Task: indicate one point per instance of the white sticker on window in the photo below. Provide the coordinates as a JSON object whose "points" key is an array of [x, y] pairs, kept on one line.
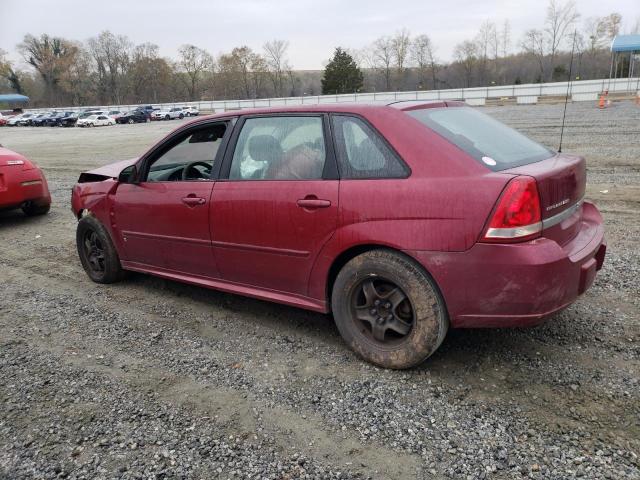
{"points": [[489, 161]]}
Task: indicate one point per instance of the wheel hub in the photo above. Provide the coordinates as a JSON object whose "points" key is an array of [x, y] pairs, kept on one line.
{"points": [[383, 309]]}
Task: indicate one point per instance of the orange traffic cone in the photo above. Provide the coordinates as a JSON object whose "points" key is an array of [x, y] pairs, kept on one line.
{"points": [[601, 103], [638, 99]]}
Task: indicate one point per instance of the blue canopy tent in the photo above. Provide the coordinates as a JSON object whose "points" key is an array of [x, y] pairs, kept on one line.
{"points": [[621, 45], [14, 100]]}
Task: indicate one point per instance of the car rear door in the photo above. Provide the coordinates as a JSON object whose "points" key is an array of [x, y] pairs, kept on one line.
{"points": [[278, 204], [164, 219]]}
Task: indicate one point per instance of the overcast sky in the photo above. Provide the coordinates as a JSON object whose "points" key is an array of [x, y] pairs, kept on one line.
{"points": [[313, 28]]}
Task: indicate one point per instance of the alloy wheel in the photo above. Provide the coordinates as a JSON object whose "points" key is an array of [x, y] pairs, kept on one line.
{"points": [[94, 251], [381, 310]]}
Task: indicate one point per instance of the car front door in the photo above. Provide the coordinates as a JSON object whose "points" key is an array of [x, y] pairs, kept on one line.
{"points": [[278, 203], [164, 218]]}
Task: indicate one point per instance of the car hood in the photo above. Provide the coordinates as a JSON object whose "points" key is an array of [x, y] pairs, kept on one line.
{"points": [[113, 169]]}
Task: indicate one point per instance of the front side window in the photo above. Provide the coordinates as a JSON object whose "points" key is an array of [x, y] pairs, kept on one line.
{"points": [[484, 138], [279, 148], [189, 157], [362, 153]]}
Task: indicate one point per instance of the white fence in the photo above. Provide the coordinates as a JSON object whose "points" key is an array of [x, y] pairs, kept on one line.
{"points": [[584, 90]]}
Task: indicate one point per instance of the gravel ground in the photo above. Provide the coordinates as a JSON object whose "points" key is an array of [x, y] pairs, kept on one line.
{"points": [[153, 379]]}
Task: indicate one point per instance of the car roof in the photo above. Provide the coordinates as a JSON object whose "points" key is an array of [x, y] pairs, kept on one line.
{"points": [[355, 108]]}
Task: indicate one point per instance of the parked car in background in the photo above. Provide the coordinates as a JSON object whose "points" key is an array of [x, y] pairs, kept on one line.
{"points": [[403, 219], [3, 120], [14, 121], [95, 121], [168, 114], [87, 114], [114, 114], [190, 111], [134, 116], [41, 120], [27, 118], [56, 119], [22, 184], [69, 120]]}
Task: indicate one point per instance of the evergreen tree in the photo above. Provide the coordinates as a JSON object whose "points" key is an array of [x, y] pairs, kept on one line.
{"points": [[342, 75]]}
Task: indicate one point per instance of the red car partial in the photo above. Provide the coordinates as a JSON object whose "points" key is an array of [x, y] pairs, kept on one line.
{"points": [[22, 184], [403, 220]]}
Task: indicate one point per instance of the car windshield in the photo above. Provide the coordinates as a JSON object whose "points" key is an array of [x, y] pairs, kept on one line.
{"points": [[484, 138]]}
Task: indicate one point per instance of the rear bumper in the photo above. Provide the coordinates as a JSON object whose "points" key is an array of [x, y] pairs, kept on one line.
{"points": [[518, 285], [20, 186]]}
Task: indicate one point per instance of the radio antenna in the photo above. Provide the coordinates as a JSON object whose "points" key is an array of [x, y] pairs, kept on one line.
{"points": [[566, 98]]}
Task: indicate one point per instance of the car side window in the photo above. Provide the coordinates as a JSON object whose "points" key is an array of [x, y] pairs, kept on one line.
{"points": [[189, 157], [279, 148], [362, 153]]}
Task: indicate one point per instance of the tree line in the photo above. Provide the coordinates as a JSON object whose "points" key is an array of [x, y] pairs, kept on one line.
{"points": [[111, 69]]}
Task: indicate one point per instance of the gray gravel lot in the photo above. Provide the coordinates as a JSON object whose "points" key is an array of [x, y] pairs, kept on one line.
{"points": [[153, 379]]}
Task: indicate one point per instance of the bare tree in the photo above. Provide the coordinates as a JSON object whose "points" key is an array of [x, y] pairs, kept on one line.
{"points": [[111, 54], [51, 57], [401, 42], [534, 44], [150, 75], [484, 39], [505, 38], [382, 55], [466, 54], [423, 55], [560, 19], [595, 31], [194, 62], [276, 57], [9, 74]]}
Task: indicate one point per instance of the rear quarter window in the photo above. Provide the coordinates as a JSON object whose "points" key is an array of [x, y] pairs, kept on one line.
{"points": [[362, 153], [489, 141]]}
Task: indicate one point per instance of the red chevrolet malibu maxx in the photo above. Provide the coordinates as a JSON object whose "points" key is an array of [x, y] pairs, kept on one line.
{"points": [[22, 184], [402, 219]]}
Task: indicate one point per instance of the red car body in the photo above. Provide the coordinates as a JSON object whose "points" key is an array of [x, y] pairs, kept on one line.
{"points": [[22, 184], [285, 241]]}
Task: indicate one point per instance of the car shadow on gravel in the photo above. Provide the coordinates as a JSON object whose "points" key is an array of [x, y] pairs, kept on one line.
{"points": [[288, 320], [15, 218], [462, 348]]}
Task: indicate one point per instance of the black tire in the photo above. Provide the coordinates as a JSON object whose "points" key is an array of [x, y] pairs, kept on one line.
{"points": [[406, 325], [131, 121], [98, 256], [32, 209], [167, 117], [181, 116]]}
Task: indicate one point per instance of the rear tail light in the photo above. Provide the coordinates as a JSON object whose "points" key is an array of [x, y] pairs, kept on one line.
{"points": [[517, 216]]}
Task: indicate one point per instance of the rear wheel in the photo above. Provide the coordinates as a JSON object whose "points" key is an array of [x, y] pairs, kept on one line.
{"points": [[97, 253], [32, 209], [131, 121], [388, 310]]}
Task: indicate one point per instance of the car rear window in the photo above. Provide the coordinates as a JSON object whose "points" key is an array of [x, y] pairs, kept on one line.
{"points": [[487, 140]]}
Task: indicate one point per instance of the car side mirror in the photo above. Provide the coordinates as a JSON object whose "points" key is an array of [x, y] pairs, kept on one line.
{"points": [[128, 175]]}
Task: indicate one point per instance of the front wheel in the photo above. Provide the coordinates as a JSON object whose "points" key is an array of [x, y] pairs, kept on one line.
{"points": [[181, 116], [388, 310], [97, 253], [131, 121]]}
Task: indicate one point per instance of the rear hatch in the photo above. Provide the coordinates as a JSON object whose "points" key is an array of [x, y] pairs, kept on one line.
{"points": [[560, 179], [561, 182]]}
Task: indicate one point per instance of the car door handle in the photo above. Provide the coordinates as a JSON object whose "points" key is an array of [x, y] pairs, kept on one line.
{"points": [[313, 203], [192, 201]]}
